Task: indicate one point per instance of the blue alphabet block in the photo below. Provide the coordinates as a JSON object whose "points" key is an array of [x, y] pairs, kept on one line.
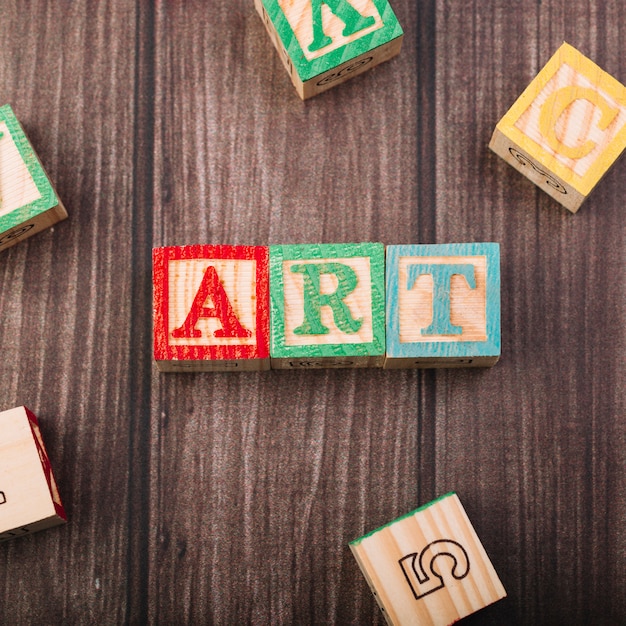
{"points": [[443, 305]]}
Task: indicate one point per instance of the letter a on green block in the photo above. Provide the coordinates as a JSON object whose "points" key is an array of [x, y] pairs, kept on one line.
{"points": [[353, 20], [441, 273], [314, 300]]}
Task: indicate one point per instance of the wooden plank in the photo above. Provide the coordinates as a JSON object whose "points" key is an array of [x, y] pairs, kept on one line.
{"points": [[283, 461], [65, 305]]}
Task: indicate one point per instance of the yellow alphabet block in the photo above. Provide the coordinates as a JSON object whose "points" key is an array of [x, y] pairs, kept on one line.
{"points": [[567, 128]]}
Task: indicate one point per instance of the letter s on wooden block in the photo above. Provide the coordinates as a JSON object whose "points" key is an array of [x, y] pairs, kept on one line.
{"points": [[443, 305], [323, 43], [429, 566], [567, 128], [29, 498], [211, 308]]}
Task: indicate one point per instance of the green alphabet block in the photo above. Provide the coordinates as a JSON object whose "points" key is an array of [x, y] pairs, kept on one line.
{"points": [[28, 203], [322, 43], [327, 305]]}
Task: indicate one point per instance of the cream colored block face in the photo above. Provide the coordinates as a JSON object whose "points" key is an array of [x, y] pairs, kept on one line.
{"points": [[17, 187], [358, 303], [428, 567], [237, 277], [468, 304], [299, 14]]}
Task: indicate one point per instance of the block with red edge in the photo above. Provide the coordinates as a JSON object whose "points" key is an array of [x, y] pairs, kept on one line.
{"points": [[429, 566], [29, 498], [211, 308], [566, 129]]}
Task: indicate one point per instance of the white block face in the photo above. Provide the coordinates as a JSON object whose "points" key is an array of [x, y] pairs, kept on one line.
{"points": [[26, 497], [358, 302], [17, 187], [238, 279], [428, 567], [468, 306], [579, 126], [299, 14]]}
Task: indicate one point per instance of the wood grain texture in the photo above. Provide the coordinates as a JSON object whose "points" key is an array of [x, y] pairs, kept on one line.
{"points": [[428, 567], [212, 498]]}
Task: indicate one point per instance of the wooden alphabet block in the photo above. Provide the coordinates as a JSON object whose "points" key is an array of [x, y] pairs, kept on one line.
{"points": [[443, 305], [29, 498], [566, 129], [211, 308], [428, 567], [28, 202], [327, 305], [323, 43]]}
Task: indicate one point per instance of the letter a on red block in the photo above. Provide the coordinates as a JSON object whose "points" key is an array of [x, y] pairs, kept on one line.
{"points": [[212, 288], [211, 304]]}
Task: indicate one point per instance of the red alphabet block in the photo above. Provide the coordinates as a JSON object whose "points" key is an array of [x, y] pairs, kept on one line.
{"points": [[211, 308], [29, 499]]}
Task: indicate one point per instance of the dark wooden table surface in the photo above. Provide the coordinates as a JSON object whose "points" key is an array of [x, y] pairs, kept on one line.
{"points": [[231, 499]]}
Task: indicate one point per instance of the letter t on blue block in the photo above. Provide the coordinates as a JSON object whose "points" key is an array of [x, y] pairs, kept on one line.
{"points": [[443, 305]]}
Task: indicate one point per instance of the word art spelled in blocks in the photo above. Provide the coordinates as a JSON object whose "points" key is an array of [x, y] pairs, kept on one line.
{"points": [[566, 129], [28, 203], [428, 567], [443, 305], [29, 498], [211, 308], [327, 305], [322, 43]]}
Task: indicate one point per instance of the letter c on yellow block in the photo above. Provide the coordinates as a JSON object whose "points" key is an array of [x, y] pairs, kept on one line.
{"points": [[556, 105]]}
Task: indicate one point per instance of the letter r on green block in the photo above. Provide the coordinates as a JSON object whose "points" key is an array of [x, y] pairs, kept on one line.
{"points": [[353, 20], [442, 274], [314, 300]]}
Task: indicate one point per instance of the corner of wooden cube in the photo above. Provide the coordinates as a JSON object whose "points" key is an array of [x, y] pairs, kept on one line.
{"points": [[321, 49], [28, 201], [211, 308], [429, 566], [443, 305], [567, 128], [327, 305], [29, 498]]}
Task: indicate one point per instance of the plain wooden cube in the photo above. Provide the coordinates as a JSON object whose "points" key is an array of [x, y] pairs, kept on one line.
{"points": [[443, 305], [211, 308], [327, 305], [428, 567], [567, 129], [28, 202], [29, 498], [323, 43]]}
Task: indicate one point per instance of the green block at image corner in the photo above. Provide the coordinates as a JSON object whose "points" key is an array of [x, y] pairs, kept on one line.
{"points": [[47, 197], [299, 43], [338, 306]]}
